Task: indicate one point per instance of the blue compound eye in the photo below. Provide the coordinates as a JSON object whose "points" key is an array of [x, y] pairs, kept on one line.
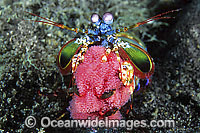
{"points": [[108, 18], [95, 19]]}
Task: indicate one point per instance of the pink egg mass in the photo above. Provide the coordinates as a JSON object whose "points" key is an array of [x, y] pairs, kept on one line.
{"points": [[101, 92]]}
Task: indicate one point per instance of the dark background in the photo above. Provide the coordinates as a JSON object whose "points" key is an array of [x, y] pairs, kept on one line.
{"points": [[28, 60]]}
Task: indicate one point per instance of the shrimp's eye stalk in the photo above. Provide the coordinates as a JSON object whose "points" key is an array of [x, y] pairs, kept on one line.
{"points": [[108, 18], [95, 19]]}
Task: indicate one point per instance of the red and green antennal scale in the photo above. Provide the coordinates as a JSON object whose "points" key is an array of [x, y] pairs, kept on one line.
{"points": [[55, 24], [123, 29], [156, 17]]}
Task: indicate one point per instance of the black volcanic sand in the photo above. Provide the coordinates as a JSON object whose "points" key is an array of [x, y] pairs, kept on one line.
{"points": [[28, 62]]}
